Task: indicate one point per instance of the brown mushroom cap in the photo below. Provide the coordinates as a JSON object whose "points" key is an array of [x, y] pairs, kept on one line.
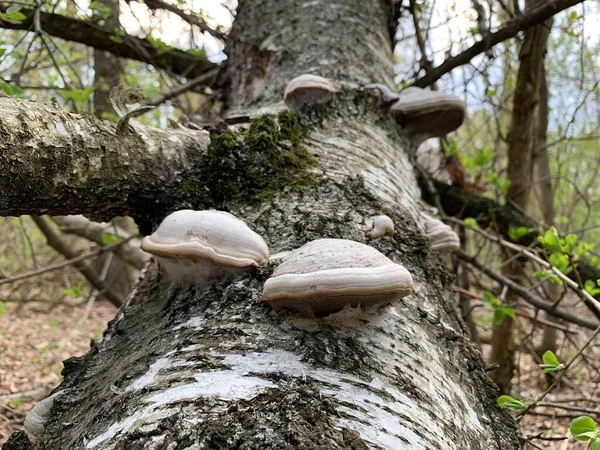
{"points": [[325, 275], [306, 90], [425, 114]]}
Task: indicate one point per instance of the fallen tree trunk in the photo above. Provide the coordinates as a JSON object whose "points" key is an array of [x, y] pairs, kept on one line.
{"points": [[183, 367]]}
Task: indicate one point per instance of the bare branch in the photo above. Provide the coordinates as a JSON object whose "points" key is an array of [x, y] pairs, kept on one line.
{"points": [[510, 29], [525, 294], [124, 46], [57, 243]]}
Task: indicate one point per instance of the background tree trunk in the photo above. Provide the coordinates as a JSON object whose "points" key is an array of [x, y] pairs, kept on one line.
{"points": [[520, 151], [184, 367]]}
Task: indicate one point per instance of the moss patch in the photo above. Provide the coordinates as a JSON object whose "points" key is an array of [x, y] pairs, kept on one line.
{"points": [[253, 166]]}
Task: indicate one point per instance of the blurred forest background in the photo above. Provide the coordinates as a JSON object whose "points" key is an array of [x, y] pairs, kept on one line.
{"points": [[61, 278]]}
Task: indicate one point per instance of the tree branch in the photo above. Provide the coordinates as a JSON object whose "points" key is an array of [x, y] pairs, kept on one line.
{"points": [[57, 243], [533, 300], [191, 19], [100, 38], [58, 163], [460, 203], [520, 23]]}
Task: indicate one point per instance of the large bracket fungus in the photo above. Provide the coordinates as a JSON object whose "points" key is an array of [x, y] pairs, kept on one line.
{"points": [[35, 421], [426, 114], [308, 90], [441, 236], [324, 276], [202, 247]]}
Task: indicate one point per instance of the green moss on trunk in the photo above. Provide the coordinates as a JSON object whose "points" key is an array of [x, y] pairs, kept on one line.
{"points": [[252, 166]]}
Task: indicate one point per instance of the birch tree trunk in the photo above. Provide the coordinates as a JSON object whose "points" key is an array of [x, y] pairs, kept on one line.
{"points": [[189, 368]]}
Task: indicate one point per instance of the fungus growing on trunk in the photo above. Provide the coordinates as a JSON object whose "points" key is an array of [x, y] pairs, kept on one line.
{"points": [[441, 237], [35, 421], [425, 114], [307, 90], [325, 275], [201, 247], [384, 94], [382, 226]]}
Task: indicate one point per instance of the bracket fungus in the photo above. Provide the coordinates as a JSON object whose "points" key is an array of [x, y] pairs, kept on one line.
{"points": [[35, 421], [385, 95], [441, 236], [202, 247], [382, 226], [324, 276], [426, 114], [308, 90]]}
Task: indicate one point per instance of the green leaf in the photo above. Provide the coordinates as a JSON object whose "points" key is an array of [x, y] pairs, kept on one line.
{"points": [[595, 444], [550, 358], [583, 428], [501, 313], [79, 96], [515, 233], [490, 299], [75, 291], [550, 240], [470, 222], [547, 275], [507, 402], [108, 239], [591, 287]]}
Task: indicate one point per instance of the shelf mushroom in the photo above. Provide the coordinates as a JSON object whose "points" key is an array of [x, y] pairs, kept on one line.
{"points": [[385, 95], [201, 247], [382, 226], [426, 114], [324, 276], [35, 420], [441, 237], [307, 90]]}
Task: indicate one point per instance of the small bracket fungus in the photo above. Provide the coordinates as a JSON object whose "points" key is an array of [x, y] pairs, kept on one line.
{"points": [[203, 246], [385, 95], [325, 275], [441, 237], [426, 114], [307, 90], [35, 421], [382, 226]]}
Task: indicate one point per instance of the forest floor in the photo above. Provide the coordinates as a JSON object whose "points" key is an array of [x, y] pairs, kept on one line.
{"points": [[33, 344]]}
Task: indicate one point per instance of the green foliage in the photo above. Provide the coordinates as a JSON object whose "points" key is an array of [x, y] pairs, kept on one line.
{"points": [[75, 291], [450, 146], [470, 223], [100, 9], [515, 233], [252, 166], [547, 275], [199, 53], [2, 309], [591, 287], [108, 239], [551, 362], [501, 312], [159, 45], [11, 89], [78, 96], [564, 252], [583, 428], [511, 404], [12, 15]]}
